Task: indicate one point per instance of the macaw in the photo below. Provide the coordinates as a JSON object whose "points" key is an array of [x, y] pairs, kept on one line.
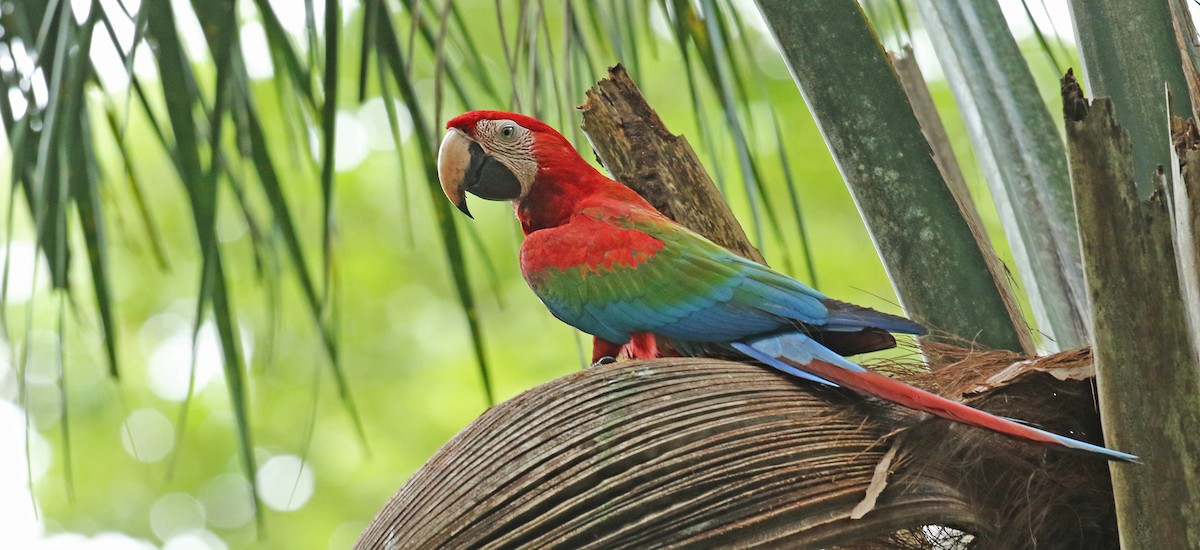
{"points": [[605, 261]]}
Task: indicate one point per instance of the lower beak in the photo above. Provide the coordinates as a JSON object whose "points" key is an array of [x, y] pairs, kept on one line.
{"points": [[464, 167]]}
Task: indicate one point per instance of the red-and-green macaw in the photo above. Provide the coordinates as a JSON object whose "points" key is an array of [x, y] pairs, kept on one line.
{"points": [[603, 260]]}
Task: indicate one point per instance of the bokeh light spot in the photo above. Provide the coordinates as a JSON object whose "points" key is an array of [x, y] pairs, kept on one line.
{"points": [[374, 118], [171, 360], [195, 540], [175, 514], [18, 522], [147, 435], [102, 541], [256, 52], [20, 257], [285, 483], [351, 146], [226, 499]]}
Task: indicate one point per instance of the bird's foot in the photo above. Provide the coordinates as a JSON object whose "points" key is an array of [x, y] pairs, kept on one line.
{"points": [[604, 360]]}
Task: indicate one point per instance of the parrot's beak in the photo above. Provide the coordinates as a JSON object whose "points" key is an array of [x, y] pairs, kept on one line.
{"points": [[463, 167]]}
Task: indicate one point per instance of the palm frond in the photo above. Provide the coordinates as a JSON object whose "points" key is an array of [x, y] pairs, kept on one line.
{"points": [[896, 186], [1027, 169], [389, 51]]}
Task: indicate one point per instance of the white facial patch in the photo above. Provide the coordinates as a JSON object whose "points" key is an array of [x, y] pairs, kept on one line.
{"points": [[511, 145]]}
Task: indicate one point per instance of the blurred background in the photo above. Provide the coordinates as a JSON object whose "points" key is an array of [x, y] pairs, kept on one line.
{"points": [[158, 457]]}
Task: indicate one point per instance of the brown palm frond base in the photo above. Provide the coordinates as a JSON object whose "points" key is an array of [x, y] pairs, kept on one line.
{"points": [[681, 452]]}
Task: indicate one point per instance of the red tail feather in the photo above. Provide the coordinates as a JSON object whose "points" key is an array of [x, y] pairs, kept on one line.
{"points": [[889, 389]]}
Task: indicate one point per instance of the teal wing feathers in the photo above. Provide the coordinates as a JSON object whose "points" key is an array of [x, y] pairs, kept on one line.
{"points": [[611, 273]]}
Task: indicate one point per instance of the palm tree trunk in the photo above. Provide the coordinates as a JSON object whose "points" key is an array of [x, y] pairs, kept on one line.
{"points": [[1147, 371]]}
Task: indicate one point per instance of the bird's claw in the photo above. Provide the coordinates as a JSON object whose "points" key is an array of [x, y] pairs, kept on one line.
{"points": [[604, 360]]}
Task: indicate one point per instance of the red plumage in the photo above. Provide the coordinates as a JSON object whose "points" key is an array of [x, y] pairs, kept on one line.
{"points": [[604, 260]]}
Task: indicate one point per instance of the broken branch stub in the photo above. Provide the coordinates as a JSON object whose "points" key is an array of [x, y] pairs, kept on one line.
{"points": [[639, 151]]}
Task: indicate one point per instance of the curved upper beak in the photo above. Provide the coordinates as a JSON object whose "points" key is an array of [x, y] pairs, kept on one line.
{"points": [[454, 157], [464, 166]]}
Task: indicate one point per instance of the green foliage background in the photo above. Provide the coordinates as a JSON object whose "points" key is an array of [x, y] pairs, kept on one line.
{"points": [[405, 347]]}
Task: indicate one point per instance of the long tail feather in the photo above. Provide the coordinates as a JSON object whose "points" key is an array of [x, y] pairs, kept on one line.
{"points": [[765, 358], [799, 355]]}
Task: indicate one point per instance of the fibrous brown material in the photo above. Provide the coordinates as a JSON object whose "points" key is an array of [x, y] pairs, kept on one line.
{"points": [[1029, 496], [707, 453]]}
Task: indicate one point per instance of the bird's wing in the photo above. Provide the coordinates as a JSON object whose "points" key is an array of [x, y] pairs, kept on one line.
{"points": [[612, 271]]}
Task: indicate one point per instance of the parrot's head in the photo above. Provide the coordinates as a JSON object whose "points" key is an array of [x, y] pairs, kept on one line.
{"points": [[496, 155]]}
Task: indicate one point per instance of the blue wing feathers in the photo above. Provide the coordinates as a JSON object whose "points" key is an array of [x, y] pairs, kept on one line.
{"points": [[697, 295], [689, 290]]}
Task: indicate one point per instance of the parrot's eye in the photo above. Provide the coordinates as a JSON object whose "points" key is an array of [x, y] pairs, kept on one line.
{"points": [[508, 131]]}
